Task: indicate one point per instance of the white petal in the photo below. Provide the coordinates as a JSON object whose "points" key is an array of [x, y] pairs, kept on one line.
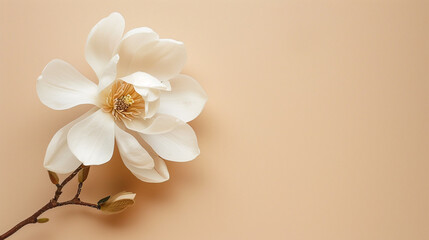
{"points": [[103, 41], [61, 86], [145, 80], [146, 85], [92, 140], [162, 59], [151, 108], [154, 175], [156, 125], [149, 95], [179, 145], [130, 44], [109, 74], [131, 151], [135, 38], [167, 84], [58, 156], [186, 99], [159, 173]]}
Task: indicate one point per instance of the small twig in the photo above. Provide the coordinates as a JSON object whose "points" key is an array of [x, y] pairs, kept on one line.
{"points": [[77, 201], [79, 189], [53, 203], [70, 177]]}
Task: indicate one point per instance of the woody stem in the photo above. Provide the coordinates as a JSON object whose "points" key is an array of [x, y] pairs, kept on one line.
{"points": [[53, 203]]}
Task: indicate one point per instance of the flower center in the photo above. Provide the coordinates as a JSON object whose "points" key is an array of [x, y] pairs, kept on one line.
{"points": [[123, 102]]}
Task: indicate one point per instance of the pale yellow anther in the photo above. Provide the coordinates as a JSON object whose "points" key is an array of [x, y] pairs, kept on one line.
{"points": [[128, 99]]}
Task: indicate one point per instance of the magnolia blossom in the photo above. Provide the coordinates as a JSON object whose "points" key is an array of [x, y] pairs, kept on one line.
{"points": [[141, 97]]}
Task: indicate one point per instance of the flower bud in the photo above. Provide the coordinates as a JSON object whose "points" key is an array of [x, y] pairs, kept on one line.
{"points": [[118, 203], [42, 220], [83, 174], [54, 177]]}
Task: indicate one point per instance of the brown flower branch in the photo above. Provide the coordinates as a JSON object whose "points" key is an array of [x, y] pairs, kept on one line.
{"points": [[53, 203]]}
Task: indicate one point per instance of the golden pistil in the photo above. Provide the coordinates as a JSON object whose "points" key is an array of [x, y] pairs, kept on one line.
{"points": [[123, 101]]}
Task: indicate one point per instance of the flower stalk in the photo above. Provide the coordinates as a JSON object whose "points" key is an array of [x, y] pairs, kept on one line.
{"points": [[53, 203]]}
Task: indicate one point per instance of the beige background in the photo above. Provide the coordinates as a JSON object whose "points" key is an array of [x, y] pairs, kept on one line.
{"points": [[316, 125]]}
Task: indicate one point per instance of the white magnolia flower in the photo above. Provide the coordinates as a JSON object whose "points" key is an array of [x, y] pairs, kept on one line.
{"points": [[139, 90]]}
